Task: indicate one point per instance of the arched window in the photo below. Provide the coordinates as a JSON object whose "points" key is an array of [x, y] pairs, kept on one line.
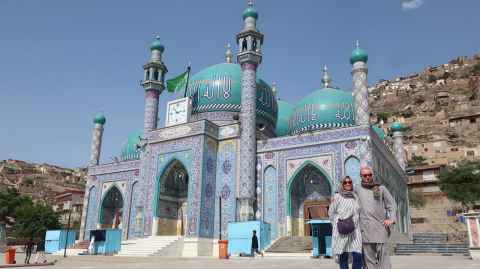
{"points": [[352, 169], [155, 75]]}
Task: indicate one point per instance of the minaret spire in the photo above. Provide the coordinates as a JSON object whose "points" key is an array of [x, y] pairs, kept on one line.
{"points": [[249, 57], [326, 80], [153, 84], [228, 54]]}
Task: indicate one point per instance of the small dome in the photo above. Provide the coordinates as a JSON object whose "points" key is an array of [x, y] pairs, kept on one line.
{"points": [[99, 119], [379, 131], [284, 112], [396, 127], [250, 12], [129, 148], [358, 55], [156, 45], [326, 108]]}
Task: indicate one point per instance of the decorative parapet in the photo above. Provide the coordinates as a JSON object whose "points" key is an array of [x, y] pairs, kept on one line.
{"points": [[113, 167]]}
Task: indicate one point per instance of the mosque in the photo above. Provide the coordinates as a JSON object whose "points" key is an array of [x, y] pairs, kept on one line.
{"points": [[231, 151]]}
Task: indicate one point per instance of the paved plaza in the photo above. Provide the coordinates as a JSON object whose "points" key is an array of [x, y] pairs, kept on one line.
{"points": [[399, 262]]}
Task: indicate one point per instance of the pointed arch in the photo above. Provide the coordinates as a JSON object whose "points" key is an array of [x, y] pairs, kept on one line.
{"points": [[114, 201], [270, 198], [294, 176], [352, 169]]}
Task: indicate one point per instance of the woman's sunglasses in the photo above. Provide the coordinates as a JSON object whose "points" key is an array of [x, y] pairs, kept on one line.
{"points": [[347, 183]]}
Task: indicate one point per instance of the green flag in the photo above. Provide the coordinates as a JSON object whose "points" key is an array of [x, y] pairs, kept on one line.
{"points": [[178, 83]]}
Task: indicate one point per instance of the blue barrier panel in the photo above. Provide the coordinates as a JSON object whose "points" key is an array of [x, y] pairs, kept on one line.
{"points": [[240, 236], [107, 241], [321, 237], [55, 240]]}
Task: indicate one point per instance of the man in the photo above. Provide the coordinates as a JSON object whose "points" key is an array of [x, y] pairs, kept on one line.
{"points": [[40, 255], [255, 244], [28, 250], [377, 215]]}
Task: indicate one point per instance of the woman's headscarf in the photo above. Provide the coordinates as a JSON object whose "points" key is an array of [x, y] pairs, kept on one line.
{"points": [[346, 193]]}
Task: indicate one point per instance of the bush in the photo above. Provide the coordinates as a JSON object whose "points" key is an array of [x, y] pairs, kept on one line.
{"points": [[416, 199]]}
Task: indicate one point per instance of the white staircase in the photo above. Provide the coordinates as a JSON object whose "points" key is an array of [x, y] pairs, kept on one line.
{"points": [[148, 246]]}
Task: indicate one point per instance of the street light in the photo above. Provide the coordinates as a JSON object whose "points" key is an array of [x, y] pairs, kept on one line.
{"points": [[69, 208]]}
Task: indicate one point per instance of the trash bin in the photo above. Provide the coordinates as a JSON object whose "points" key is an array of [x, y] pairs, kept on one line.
{"points": [[223, 249], [10, 256]]}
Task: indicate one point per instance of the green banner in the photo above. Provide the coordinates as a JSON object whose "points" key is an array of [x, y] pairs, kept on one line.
{"points": [[178, 83]]}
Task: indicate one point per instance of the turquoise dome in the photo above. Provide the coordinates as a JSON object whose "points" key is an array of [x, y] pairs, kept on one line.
{"points": [[323, 109], [250, 12], [156, 45], [217, 88], [99, 119], [358, 55], [396, 127], [379, 131], [129, 148], [284, 112]]}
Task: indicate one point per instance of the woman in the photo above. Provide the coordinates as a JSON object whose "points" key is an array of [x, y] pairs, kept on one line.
{"points": [[346, 238]]}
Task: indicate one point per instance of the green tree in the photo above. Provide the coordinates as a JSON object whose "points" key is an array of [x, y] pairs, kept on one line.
{"points": [[417, 160], [462, 183], [33, 220], [416, 199], [9, 201]]}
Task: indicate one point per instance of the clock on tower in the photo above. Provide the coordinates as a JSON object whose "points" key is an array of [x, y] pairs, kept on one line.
{"points": [[178, 111]]}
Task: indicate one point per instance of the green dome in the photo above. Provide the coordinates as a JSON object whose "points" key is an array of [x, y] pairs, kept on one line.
{"points": [[99, 119], [284, 111], [156, 45], [218, 88], [358, 55], [396, 127], [250, 12], [323, 109], [129, 148], [379, 131]]}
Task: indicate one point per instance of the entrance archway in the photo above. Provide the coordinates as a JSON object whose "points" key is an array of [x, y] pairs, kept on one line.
{"points": [[309, 197], [171, 204], [111, 212]]}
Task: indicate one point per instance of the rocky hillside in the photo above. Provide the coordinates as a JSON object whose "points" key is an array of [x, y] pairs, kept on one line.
{"points": [[441, 103], [40, 181]]}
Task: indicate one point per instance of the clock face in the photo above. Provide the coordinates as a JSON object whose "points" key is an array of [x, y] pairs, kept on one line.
{"points": [[178, 112]]}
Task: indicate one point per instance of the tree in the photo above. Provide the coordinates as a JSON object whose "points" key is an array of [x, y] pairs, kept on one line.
{"points": [[33, 220], [417, 160], [462, 183], [9, 201], [416, 199]]}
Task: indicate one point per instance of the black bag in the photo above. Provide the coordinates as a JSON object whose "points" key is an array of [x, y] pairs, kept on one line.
{"points": [[345, 226]]}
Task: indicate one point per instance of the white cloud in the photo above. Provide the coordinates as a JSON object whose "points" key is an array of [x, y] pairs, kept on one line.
{"points": [[411, 4]]}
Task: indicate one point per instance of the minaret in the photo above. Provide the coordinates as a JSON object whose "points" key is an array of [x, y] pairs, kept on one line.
{"points": [[359, 60], [153, 84], [398, 149], [249, 57], [327, 79], [97, 134]]}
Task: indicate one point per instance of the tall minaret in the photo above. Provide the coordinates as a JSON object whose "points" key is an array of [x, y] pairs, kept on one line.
{"points": [[398, 149], [97, 134], [359, 60], [153, 84], [249, 57]]}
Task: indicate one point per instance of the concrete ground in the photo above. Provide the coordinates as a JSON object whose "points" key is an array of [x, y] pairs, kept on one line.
{"points": [[94, 262]]}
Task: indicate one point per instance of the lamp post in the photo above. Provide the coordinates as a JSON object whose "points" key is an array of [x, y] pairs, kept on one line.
{"points": [[68, 229]]}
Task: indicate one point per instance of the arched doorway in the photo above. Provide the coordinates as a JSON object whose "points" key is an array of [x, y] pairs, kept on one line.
{"points": [[309, 198], [111, 212], [171, 204]]}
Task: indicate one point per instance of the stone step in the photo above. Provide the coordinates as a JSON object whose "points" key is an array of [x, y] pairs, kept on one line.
{"points": [[291, 244], [145, 247]]}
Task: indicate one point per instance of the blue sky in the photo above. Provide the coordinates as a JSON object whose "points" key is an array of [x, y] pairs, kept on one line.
{"points": [[61, 62]]}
